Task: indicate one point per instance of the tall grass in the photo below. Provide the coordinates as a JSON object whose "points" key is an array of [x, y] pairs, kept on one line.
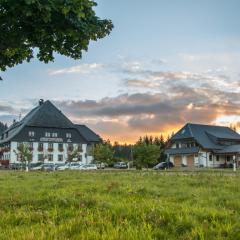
{"points": [[119, 205]]}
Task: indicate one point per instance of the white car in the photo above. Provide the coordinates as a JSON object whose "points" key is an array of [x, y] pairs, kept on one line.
{"points": [[88, 167], [62, 167], [37, 167], [74, 165]]}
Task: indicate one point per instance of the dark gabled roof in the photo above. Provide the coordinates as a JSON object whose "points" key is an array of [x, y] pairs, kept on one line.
{"points": [[205, 134], [44, 115], [229, 149], [87, 133], [175, 151], [48, 115]]}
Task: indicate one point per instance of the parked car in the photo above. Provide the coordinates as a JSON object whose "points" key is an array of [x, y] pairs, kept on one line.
{"points": [[120, 165], [101, 165], [74, 165], [62, 167], [163, 165], [16, 166], [35, 166], [48, 167], [88, 167]]}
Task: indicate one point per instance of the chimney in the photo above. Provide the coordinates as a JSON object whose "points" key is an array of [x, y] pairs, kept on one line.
{"points": [[41, 101]]}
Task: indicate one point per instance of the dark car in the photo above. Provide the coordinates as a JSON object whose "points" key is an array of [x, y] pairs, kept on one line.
{"points": [[16, 166], [163, 165], [120, 165]]}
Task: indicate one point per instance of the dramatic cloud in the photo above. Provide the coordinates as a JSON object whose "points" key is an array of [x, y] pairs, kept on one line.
{"points": [[130, 115]]}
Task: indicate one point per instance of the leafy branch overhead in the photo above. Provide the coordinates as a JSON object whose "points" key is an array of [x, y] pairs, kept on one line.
{"points": [[62, 26]]}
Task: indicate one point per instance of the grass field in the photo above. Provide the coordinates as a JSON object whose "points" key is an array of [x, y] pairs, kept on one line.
{"points": [[119, 205]]}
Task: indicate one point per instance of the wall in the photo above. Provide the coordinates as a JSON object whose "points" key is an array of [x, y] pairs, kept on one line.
{"points": [[86, 158]]}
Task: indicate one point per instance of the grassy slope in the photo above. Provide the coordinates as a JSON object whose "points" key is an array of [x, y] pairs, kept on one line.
{"points": [[119, 205]]}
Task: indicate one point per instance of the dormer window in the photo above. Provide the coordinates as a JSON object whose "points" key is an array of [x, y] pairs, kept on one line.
{"points": [[68, 135], [31, 134], [47, 134], [54, 135]]}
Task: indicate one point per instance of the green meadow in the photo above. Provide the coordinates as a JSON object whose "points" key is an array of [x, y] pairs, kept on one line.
{"points": [[119, 205]]}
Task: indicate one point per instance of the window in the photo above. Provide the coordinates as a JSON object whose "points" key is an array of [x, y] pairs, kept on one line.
{"points": [[19, 157], [50, 147], [80, 147], [70, 147], [60, 147], [228, 158], [31, 134], [19, 144], [210, 157], [50, 157], [68, 135], [47, 134], [217, 158], [40, 147], [40, 157], [60, 157], [30, 145], [177, 145], [54, 135]]}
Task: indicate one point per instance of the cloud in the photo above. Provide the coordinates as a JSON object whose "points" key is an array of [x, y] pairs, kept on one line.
{"points": [[155, 101], [82, 68], [130, 115]]}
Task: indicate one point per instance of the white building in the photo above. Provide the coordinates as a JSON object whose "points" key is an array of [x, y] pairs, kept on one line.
{"points": [[204, 145], [50, 136]]}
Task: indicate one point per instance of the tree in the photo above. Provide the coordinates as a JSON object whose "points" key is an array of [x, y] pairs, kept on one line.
{"points": [[145, 155], [73, 156], [3, 127], [62, 26], [103, 153], [24, 154], [122, 152]]}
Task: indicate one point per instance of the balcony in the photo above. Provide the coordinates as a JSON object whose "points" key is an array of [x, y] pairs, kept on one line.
{"points": [[40, 148], [50, 149], [60, 149]]}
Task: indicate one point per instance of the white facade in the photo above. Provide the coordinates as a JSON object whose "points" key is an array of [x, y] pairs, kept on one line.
{"points": [[205, 159], [57, 155]]}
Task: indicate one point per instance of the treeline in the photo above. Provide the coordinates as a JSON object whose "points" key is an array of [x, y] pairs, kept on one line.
{"points": [[146, 152]]}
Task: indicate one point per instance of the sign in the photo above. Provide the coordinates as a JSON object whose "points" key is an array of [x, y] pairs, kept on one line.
{"points": [[45, 139]]}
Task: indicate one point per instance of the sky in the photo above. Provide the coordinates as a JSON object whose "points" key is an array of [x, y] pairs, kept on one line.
{"points": [[166, 63]]}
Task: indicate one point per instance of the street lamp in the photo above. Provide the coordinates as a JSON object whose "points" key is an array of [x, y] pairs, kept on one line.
{"points": [[234, 163]]}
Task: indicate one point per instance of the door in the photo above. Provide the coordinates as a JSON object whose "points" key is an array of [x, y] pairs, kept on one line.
{"points": [[190, 160], [178, 160]]}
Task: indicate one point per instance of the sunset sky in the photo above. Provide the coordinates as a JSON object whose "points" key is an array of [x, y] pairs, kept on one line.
{"points": [[166, 62]]}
